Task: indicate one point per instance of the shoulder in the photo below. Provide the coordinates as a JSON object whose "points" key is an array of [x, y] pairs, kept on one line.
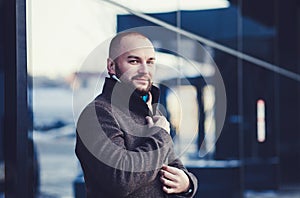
{"points": [[99, 105]]}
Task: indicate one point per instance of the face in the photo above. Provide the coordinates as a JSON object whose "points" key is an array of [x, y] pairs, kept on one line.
{"points": [[136, 66]]}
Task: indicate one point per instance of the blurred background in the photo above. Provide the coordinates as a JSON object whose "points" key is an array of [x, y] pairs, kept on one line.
{"points": [[228, 70]]}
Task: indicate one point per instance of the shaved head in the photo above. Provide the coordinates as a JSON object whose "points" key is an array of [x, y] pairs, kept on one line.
{"points": [[132, 60], [127, 41]]}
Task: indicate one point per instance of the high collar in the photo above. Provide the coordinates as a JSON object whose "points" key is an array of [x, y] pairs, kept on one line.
{"points": [[124, 96]]}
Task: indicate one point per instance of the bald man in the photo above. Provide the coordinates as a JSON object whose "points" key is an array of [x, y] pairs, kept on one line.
{"points": [[123, 141]]}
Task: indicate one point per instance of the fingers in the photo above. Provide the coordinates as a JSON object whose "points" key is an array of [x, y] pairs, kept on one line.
{"points": [[169, 190], [168, 175], [149, 121], [162, 122], [159, 121], [169, 186], [167, 182], [170, 169], [174, 180]]}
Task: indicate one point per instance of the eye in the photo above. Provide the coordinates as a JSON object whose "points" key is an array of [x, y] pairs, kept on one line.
{"points": [[150, 62], [133, 62]]}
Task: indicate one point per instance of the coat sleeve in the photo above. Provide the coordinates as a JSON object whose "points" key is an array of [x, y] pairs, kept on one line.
{"points": [[174, 161], [105, 159], [193, 180]]}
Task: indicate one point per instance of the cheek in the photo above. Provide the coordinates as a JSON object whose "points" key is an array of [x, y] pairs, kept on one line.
{"points": [[123, 68], [151, 71], [128, 72]]}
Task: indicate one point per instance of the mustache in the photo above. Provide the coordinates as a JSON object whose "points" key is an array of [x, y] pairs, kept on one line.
{"points": [[142, 76]]}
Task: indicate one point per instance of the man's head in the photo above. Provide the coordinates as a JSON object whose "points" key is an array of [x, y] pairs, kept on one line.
{"points": [[132, 59]]}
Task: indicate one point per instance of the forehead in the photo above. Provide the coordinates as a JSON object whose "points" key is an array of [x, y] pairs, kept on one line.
{"points": [[142, 53], [134, 45]]}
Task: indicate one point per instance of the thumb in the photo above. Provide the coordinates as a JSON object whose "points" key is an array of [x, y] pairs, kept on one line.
{"points": [[149, 121]]}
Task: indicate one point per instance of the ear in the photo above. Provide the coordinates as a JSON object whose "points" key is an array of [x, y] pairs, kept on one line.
{"points": [[111, 66]]}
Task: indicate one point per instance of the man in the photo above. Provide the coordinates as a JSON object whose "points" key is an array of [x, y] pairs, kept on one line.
{"points": [[123, 141]]}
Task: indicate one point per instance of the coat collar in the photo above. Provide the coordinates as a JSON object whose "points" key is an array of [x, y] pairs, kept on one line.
{"points": [[124, 96]]}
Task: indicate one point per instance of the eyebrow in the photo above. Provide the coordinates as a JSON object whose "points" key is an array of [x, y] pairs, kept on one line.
{"points": [[136, 57]]}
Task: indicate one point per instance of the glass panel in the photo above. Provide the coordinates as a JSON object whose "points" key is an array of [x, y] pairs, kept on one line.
{"points": [[216, 60], [182, 104]]}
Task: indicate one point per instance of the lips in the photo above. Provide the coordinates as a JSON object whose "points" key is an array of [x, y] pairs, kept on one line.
{"points": [[141, 79], [143, 82], [146, 79]]}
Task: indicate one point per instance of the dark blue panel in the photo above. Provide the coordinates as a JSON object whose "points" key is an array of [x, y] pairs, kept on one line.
{"points": [[218, 24], [130, 21]]}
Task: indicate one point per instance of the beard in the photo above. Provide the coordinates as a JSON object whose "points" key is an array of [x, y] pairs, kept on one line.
{"points": [[140, 91], [143, 91]]}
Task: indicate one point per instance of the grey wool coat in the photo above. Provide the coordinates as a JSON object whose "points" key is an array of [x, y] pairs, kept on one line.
{"points": [[120, 155]]}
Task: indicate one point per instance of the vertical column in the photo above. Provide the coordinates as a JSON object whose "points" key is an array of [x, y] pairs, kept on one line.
{"points": [[16, 147], [240, 94]]}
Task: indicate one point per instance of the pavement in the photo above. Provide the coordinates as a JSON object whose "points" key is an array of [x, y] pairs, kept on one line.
{"points": [[284, 192], [58, 167]]}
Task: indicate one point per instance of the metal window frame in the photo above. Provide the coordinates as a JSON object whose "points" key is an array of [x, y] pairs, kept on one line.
{"points": [[18, 178]]}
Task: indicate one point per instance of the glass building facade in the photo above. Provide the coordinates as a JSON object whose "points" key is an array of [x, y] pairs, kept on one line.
{"points": [[229, 75]]}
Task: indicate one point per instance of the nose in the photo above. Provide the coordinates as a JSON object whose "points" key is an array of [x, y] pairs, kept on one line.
{"points": [[143, 69]]}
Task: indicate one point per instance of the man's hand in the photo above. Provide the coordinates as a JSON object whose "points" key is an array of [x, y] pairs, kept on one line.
{"points": [[174, 180], [159, 121]]}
